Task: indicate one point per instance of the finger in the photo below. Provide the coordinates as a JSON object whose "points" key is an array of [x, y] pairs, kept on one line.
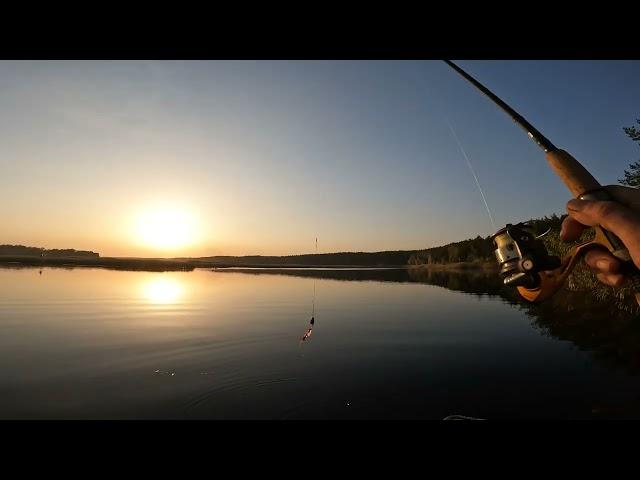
{"points": [[613, 216], [602, 261], [570, 230], [611, 279], [608, 214], [628, 196]]}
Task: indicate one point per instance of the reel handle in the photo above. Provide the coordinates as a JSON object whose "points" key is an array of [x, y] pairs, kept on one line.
{"points": [[552, 280]]}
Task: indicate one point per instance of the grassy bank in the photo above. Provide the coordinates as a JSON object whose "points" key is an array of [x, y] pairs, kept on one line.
{"points": [[583, 281]]}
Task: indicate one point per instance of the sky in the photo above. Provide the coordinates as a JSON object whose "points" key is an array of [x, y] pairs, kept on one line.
{"points": [[199, 158]]}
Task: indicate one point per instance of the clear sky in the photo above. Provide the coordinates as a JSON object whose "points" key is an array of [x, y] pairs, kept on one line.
{"points": [[212, 158]]}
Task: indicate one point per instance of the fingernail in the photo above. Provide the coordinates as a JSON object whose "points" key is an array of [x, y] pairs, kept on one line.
{"points": [[602, 264], [575, 205]]}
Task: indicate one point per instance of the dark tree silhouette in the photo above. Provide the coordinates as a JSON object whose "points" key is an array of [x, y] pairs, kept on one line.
{"points": [[632, 176]]}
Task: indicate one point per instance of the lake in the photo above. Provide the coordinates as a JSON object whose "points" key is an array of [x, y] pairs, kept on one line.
{"points": [[91, 343]]}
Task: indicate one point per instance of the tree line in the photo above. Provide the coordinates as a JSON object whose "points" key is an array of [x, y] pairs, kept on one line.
{"points": [[479, 249], [23, 251]]}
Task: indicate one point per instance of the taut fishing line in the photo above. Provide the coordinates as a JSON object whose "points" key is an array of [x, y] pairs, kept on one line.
{"points": [[475, 177], [313, 312], [313, 307]]}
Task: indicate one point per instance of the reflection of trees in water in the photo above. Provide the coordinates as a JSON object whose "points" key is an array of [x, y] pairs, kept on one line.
{"points": [[611, 334], [476, 281], [609, 331], [361, 275], [600, 326]]}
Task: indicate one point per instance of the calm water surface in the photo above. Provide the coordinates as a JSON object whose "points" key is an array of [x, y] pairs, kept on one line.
{"points": [[95, 343]]}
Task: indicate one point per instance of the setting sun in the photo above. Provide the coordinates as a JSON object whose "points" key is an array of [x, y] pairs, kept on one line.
{"points": [[166, 228]]}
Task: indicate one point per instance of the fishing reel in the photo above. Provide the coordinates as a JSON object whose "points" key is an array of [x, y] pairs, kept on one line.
{"points": [[526, 264], [522, 256]]}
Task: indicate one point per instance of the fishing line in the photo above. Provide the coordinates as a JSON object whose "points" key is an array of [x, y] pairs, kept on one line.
{"points": [[313, 307], [475, 177], [313, 311]]}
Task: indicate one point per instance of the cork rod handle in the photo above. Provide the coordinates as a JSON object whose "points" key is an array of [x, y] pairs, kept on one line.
{"points": [[577, 179]]}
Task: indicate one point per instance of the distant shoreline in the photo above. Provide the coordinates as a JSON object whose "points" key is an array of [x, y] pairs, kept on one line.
{"points": [[147, 264], [161, 264], [168, 264]]}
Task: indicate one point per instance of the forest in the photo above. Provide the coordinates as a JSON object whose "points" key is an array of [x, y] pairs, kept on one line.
{"points": [[479, 249], [22, 251]]}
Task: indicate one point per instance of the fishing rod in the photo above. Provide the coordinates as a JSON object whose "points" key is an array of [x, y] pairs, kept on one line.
{"points": [[523, 258]]}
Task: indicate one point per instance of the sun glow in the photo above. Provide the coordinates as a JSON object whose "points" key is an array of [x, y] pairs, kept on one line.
{"points": [[162, 291], [166, 228]]}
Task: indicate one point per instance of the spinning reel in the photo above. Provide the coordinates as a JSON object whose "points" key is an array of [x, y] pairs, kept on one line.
{"points": [[522, 256], [526, 264]]}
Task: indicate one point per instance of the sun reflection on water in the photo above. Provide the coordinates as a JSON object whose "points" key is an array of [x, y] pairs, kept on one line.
{"points": [[162, 290]]}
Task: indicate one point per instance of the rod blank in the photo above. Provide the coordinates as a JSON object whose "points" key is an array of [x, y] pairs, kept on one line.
{"points": [[542, 141]]}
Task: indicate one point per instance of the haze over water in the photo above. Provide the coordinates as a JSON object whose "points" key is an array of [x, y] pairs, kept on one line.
{"points": [[94, 343]]}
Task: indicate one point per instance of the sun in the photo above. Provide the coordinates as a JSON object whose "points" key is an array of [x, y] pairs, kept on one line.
{"points": [[166, 228]]}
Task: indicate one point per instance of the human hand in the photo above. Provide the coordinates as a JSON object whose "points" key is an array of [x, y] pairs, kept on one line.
{"points": [[621, 217]]}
